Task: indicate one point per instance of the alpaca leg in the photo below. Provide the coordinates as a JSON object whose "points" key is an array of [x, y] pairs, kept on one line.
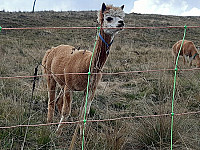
{"points": [[190, 61], [91, 94], [184, 59], [175, 57], [59, 104], [85, 111], [51, 83], [59, 101], [66, 108]]}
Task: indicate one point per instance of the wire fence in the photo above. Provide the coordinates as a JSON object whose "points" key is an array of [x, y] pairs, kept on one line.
{"points": [[103, 120], [104, 73], [48, 28]]}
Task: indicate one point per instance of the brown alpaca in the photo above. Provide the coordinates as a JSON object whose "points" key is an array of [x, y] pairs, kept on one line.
{"points": [[66, 59], [188, 50]]}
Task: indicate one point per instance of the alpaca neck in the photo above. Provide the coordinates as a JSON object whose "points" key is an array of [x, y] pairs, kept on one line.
{"points": [[101, 51], [193, 52], [197, 59]]}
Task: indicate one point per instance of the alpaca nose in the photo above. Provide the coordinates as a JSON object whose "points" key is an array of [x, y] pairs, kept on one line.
{"points": [[121, 23]]}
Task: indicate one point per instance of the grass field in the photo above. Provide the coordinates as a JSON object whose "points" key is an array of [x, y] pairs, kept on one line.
{"points": [[124, 95]]}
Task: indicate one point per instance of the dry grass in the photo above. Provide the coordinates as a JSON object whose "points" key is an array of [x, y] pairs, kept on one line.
{"points": [[117, 95]]}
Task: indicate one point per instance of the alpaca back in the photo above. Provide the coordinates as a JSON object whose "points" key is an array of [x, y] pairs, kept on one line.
{"points": [[188, 48], [66, 59]]}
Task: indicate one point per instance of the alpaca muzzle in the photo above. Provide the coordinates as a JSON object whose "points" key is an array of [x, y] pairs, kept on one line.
{"points": [[120, 24]]}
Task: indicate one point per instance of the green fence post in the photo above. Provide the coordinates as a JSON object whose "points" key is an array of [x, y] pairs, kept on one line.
{"points": [[174, 88]]}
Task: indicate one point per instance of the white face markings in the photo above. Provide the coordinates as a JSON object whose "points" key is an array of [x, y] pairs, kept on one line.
{"points": [[113, 20], [110, 21]]}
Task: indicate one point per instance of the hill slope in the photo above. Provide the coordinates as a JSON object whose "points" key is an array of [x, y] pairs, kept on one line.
{"points": [[117, 95]]}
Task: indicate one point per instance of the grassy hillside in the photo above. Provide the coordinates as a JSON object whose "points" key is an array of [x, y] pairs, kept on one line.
{"points": [[117, 95]]}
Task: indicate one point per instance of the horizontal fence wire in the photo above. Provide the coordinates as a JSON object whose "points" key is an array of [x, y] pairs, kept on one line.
{"points": [[45, 28], [103, 120], [103, 73]]}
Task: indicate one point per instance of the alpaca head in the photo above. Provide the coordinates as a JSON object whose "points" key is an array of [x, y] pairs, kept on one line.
{"points": [[111, 17], [198, 48]]}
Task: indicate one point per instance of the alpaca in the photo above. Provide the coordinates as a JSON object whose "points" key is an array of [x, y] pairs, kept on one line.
{"points": [[188, 50], [65, 59]]}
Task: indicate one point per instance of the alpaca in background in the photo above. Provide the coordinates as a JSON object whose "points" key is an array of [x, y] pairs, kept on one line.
{"points": [[188, 50]]}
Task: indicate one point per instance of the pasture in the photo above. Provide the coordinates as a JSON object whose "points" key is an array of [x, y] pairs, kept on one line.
{"points": [[122, 95]]}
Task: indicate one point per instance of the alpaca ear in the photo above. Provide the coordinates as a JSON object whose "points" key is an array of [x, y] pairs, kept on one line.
{"points": [[103, 7], [122, 7]]}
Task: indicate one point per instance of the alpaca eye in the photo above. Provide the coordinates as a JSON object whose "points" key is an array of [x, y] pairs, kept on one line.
{"points": [[109, 19]]}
